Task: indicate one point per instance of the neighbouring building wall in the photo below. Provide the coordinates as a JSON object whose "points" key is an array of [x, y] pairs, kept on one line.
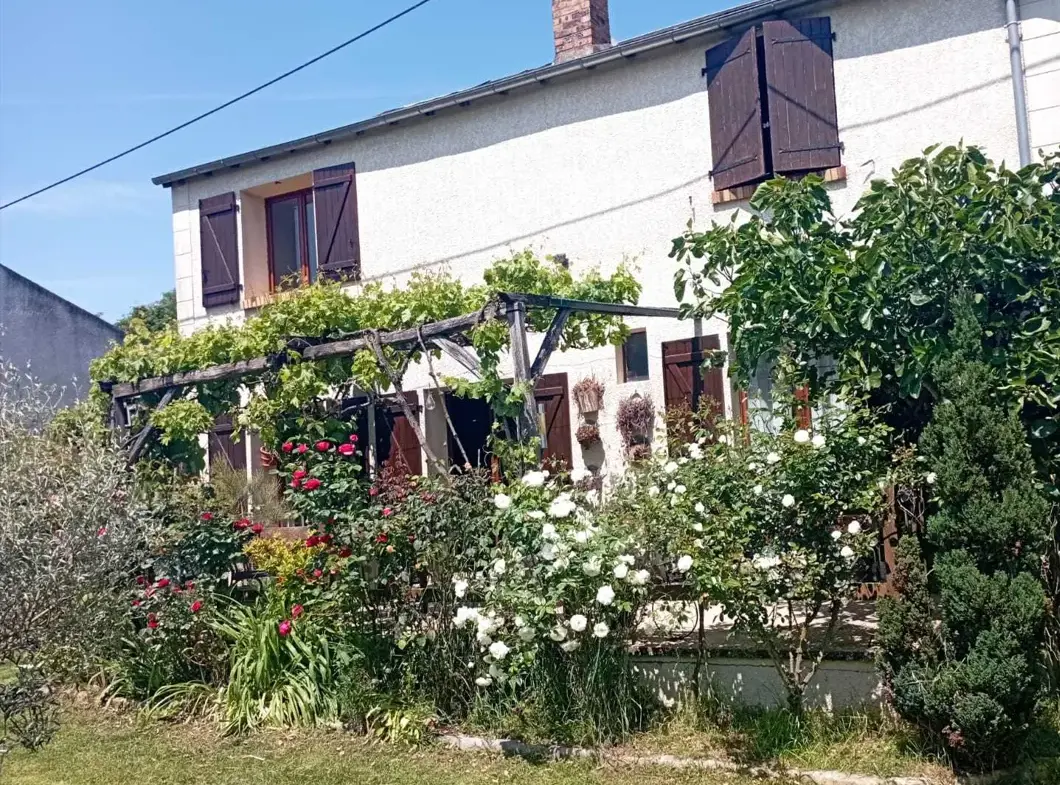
{"points": [[1041, 59], [52, 338], [611, 165]]}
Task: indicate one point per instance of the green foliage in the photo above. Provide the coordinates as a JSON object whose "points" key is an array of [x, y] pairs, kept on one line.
{"points": [[873, 292], [155, 317], [971, 682]]}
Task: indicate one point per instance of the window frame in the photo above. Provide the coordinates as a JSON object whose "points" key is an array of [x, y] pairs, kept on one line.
{"points": [[305, 202], [625, 365]]}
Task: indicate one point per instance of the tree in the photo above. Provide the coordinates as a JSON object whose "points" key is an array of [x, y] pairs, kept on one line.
{"points": [[971, 681], [873, 293], [156, 317]]}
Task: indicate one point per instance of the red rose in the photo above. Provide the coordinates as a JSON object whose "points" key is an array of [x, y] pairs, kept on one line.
{"points": [[324, 539], [381, 538], [136, 603], [152, 621], [296, 484], [189, 585], [176, 590], [373, 491], [323, 446], [162, 583], [141, 580], [353, 438], [257, 528], [242, 523], [299, 474], [196, 606], [345, 553], [387, 512], [285, 628], [317, 573], [149, 591], [412, 538], [312, 542], [296, 611], [300, 449], [347, 449], [312, 484], [207, 516], [287, 447]]}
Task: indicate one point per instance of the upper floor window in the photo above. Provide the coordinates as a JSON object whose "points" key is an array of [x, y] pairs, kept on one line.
{"points": [[292, 240], [772, 102]]}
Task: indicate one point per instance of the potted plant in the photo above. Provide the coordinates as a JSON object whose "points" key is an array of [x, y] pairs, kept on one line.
{"points": [[587, 435], [636, 422], [589, 395]]}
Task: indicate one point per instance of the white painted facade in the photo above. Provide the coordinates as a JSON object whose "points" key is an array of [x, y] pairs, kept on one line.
{"points": [[1041, 62], [608, 165]]}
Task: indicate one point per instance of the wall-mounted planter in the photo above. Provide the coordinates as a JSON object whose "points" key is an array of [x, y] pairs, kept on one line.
{"points": [[588, 435], [589, 395]]}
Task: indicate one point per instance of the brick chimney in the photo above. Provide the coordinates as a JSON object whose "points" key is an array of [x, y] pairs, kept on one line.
{"points": [[581, 27]]}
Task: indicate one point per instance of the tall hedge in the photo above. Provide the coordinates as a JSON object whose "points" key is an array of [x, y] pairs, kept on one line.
{"points": [[959, 646]]}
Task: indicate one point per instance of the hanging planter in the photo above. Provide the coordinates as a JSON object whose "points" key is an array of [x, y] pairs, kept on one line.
{"points": [[589, 395], [636, 422], [587, 436]]}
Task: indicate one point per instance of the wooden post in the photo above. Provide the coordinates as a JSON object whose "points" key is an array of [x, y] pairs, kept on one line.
{"points": [[149, 429], [551, 342], [516, 314]]}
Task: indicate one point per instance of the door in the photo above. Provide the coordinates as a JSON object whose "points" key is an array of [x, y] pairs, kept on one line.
{"points": [[394, 437], [553, 414], [224, 449], [688, 387]]}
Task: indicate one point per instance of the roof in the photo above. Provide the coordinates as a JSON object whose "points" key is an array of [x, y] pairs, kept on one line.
{"points": [[668, 36]]}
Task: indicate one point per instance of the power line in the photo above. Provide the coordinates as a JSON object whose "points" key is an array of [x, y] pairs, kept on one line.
{"points": [[217, 109]]}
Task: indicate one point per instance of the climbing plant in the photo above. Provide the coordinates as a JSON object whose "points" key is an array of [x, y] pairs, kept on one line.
{"points": [[284, 398]]}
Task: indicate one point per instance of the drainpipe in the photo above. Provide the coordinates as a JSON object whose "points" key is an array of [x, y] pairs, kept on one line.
{"points": [[1019, 89]]}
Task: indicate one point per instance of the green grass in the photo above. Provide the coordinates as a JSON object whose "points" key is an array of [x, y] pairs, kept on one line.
{"points": [[92, 749]]}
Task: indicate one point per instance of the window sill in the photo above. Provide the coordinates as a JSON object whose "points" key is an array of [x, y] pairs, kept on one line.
{"points": [[742, 193]]}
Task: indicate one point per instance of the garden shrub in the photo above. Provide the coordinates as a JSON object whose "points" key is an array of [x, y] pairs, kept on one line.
{"points": [[971, 680]]}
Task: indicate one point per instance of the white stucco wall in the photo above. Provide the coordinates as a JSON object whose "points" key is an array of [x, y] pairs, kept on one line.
{"points": [[1041, 60], [611, 165]]}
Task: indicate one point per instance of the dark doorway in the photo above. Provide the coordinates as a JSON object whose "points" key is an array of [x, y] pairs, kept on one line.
{"points": [[395, 441], [472, 419]]}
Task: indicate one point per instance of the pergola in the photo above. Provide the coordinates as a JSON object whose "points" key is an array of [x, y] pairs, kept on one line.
{"points": [[449, 336]]}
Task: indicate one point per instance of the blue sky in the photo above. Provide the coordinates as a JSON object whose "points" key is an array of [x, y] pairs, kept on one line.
{"points": [[80, 81]]}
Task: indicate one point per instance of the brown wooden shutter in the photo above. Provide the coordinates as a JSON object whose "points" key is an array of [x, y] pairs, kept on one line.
{"points": [[338, 235], [800, 79], [551, 396], [394, 437], [219, 250], [736, 136], [685, 382], [224, 448]]}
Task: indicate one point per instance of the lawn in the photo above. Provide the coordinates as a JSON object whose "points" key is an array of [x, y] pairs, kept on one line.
{"points": [[95, 750]]}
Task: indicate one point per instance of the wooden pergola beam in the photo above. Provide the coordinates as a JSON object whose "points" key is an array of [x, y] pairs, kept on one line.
{"points": [[588, 306]]}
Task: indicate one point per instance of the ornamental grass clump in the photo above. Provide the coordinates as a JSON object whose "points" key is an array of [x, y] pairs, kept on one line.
{"points": [[960, 646]]}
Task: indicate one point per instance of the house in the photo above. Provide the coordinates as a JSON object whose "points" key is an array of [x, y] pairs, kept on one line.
{"points": [[604, 155], [51, 338]]}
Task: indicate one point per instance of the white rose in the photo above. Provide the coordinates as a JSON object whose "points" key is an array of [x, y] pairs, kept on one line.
{"points": [[500, 567], [459, 587], [600, 630], [499, 650], [847, 552], [819, 441], [578, 622], [626, 558], [802, 436], [758, 490], [583, 536], [700, 508], [548, 532], [695, 452], [670, 467], [483, 640], [671, 485], [752, 466], [788, 500], [836, 534], [502, 501], [561, 507], [463, 616], [680, 489], [534, 479], [653, 491], [557, 633], [772, 458], [854, 527], [535, 515], [684, 564], [548, 552], [639, 578], [591, 568], [621, 570], [569, 646], [682, 460], [605, 595], [723, 439], [697, 526], [526, 634], [482, 681], [862, 441], [931, 477]]}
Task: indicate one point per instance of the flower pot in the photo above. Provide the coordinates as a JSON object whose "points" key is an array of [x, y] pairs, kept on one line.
{"points": [[268, 458], [588, 402]]}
